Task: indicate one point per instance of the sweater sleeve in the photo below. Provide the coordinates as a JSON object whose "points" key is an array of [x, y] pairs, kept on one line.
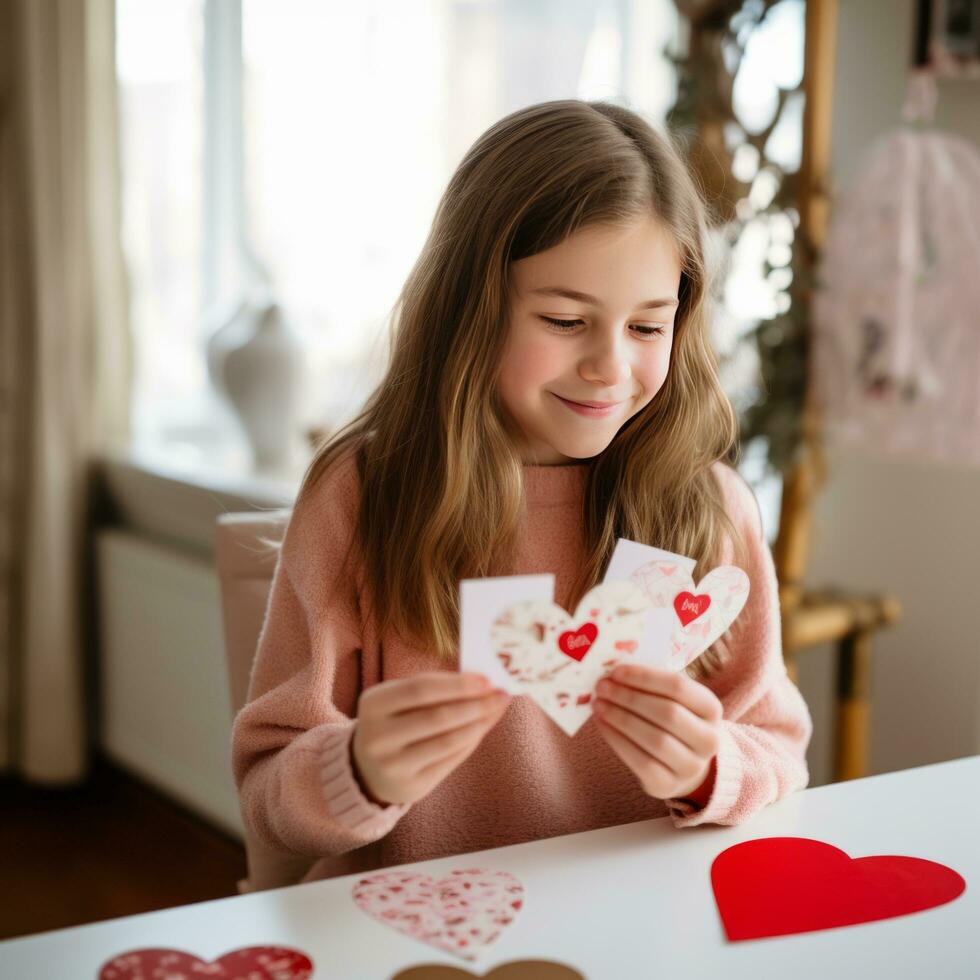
{"points": [[291, 741], [766, 725], [700, 796]]}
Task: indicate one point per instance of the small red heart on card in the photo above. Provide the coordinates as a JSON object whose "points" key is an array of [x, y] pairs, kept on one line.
{"points": [[778, 886], [577, 643], [249, 963], [689, 606]]}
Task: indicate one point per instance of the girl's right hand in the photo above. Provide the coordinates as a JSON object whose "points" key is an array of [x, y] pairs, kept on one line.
{"points": [[413, 731]]}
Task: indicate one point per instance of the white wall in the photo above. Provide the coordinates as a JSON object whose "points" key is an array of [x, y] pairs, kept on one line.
{"points": [[910, 529]]}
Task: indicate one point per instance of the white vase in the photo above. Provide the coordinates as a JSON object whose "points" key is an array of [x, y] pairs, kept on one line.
{"points": [[255, 362]]}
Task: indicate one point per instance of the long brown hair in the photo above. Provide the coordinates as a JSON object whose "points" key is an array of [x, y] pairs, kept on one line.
{"points": [[441, 479]]}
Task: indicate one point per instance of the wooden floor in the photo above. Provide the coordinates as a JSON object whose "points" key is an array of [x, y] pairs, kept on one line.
{"points": [[113, 847]]}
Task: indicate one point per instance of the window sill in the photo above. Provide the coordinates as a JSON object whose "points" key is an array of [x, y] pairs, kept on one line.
{"points": [[178, 500]]}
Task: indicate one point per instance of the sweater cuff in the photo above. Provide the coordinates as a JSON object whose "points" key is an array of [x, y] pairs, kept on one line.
{"points": [[346, 801], [702, 794], [724, 793]]}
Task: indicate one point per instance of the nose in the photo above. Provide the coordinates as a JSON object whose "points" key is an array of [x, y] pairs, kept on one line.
{"points": [[606, 362]]}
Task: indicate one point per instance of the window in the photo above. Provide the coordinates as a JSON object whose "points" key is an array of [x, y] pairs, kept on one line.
{"points": [[352, 120], [309, 142], [160, 70]]}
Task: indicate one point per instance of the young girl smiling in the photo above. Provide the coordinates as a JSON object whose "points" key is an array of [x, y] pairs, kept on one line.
{"points": [[551, 389]]}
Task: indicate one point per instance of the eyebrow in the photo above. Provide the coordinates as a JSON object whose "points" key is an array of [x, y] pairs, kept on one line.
{"points": [[649, 304]]}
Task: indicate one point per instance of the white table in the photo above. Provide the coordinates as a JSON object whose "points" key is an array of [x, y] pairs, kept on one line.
{"points": [[621, 903]]}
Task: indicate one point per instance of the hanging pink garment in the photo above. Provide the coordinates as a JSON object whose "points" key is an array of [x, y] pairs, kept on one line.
{"points": [[896, 313]]}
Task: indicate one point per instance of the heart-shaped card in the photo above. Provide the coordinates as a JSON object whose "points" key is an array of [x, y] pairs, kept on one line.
{"points": [[557, 659], [779, 886], [701, 613], [514, 970], [462, 913], [248, 963]]}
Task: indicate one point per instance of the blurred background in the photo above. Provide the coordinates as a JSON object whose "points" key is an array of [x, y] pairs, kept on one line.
{"points": [[207, 208]]}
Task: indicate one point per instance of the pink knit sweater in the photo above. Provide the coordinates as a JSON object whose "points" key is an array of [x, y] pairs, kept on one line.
{"points": [[527, 779]]}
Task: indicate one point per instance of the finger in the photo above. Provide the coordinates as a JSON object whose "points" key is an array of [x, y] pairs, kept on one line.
{"points": [[672, 684], [438, 771], [649, 771], [651, 739], [431, 687], [418, 724], [415, 757], [694, 731]]}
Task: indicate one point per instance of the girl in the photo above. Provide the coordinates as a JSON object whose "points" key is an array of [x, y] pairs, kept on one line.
{"points": [[551, 389]]}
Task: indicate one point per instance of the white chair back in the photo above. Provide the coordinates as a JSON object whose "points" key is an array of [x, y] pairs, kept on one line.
{"points": [[245, 567]]}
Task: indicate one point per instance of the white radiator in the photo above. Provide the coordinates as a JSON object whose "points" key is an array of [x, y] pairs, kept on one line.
{"points": [[166, 712]]}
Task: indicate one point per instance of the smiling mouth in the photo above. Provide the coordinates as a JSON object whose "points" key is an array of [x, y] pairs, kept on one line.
{"points": [[598, 405], [593, 409]]}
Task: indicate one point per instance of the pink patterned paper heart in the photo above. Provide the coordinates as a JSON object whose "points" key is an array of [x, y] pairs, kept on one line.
{"points": [[702, 613], [249, 963], [462, 913], [557, 659]]}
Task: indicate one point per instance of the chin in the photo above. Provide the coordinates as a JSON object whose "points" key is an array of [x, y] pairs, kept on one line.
{"points": [[580, 450]]}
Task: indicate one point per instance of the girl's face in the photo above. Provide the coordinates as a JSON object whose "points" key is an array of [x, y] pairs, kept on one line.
{"points": [[613, 349]]}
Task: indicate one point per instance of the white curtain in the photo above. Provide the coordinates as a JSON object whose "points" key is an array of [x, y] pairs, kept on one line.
{"points": [[64, 367]]}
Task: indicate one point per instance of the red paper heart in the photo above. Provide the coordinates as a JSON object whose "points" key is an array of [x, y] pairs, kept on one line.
{"points": [[776, 886], [689, 606], [577, 643], [249, 963]]}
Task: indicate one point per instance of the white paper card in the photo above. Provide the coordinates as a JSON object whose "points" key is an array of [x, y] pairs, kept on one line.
{"points": [[481, 601], [627, 557]]}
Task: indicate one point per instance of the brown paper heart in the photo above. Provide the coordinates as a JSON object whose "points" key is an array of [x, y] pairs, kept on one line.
{"points": [[515, 970]]}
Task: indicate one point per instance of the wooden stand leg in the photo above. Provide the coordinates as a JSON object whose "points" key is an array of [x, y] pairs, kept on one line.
{"points": [[851, 751]]}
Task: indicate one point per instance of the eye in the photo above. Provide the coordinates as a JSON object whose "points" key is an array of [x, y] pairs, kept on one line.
{"points": [[562, 324], [643, 329]]}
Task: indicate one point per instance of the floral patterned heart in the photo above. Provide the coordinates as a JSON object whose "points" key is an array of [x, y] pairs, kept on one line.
{"points": [[702, 613], [462, 913], [248, 963], [557, 659]]}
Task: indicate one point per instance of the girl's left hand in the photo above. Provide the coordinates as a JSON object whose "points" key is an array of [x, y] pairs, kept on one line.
{"points": [[665, 726]]}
